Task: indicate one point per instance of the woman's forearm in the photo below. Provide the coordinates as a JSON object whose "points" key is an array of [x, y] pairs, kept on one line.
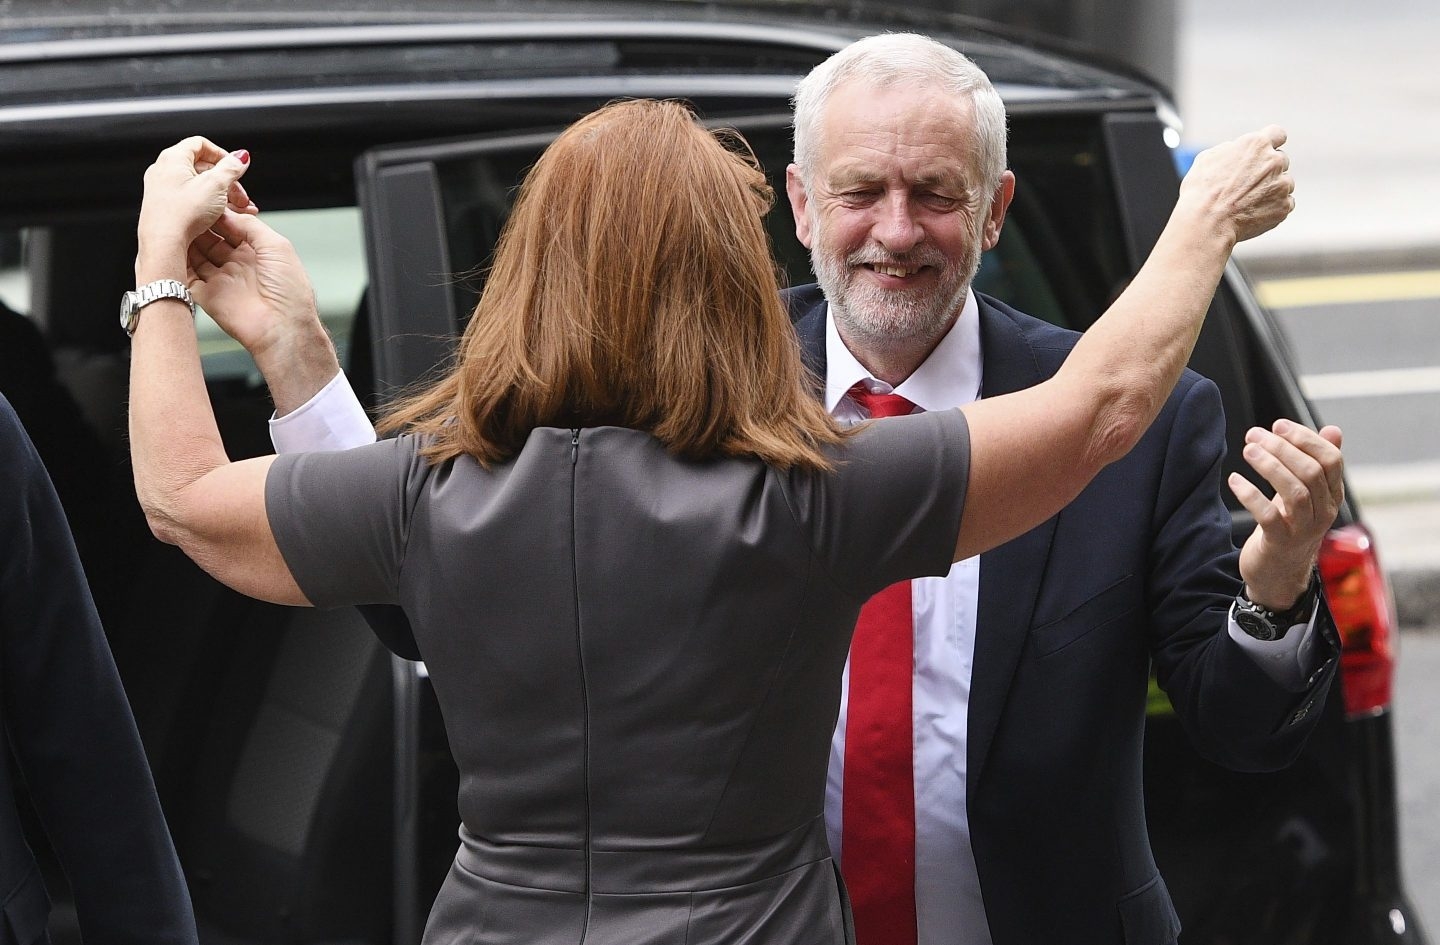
{"points": [[1034, 451], [173, 436], [193, 496], [1124, 367]]}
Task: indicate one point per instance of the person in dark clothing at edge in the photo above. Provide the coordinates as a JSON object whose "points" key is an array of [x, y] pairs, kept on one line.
{"points": [[72, 738]]}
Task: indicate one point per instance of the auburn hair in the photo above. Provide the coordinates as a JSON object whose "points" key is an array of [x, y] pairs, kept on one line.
{"points": [[633, 285]]}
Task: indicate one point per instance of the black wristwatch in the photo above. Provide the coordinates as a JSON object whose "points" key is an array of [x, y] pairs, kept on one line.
{"points": [[1265, 624]]}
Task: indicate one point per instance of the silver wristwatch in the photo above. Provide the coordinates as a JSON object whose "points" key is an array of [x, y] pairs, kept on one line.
{"points": [[132, 302]]}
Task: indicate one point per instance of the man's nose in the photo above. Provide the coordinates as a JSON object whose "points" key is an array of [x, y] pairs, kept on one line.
{"points": [[896, 227]]}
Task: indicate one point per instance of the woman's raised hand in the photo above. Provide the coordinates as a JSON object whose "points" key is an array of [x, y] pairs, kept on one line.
{"points": [[1242, 185], [187, 189], [196, 218]]}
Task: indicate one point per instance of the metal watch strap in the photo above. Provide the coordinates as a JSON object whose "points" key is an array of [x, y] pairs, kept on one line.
{"points": [[154, 292]]}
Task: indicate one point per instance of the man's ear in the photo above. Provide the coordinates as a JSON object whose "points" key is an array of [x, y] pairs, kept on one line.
{"points": [[799, 203], [999, 204]]}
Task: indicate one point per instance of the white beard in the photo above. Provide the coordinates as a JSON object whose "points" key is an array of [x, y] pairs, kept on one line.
{"points": [[885, 318]]}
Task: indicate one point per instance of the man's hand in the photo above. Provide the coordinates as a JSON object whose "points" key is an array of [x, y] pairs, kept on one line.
{"points": [[1306, 470], [250, 280]]}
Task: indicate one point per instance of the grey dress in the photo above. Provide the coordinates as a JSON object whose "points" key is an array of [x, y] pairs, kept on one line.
{"points": [[638, 659]]}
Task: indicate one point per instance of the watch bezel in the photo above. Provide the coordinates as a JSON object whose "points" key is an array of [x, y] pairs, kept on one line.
{"points": [[1256, 621], [129, 308]]}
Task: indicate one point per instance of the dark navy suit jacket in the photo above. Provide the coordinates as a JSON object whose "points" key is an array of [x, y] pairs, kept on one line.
{"points": [[1139, 567], [71, 736]]}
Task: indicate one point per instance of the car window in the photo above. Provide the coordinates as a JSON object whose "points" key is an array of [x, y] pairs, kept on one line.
{"points": [[1060, 255], [329, 241], [14, 284]]}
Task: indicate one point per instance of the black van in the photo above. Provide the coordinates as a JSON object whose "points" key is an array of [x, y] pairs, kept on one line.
{"points": [[303, 769]]}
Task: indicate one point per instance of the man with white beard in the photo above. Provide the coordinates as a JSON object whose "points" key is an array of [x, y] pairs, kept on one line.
{"points": [[985, 777]]}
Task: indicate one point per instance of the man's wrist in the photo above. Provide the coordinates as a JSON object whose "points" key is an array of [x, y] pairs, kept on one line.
{"points": [[1203, 216], [1277, 600], [297, 363], [1296, 605], [331, 420], [1280, 588]]}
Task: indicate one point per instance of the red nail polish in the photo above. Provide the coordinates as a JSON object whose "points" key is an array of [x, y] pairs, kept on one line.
{"points": [[243, 155]]}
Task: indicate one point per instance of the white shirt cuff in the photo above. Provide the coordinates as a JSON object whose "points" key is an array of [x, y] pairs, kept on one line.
{"points": [[1286, 660], [331, 420]]}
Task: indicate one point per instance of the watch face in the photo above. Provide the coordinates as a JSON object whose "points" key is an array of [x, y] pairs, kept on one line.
{"points": [[127, 311], [1255, 625]]}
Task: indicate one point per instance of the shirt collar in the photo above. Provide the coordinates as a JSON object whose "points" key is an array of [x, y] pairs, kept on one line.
{"points": [[949, 377]]}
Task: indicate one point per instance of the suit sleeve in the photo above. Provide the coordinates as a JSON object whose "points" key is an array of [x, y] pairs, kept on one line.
{"points": [[1235, 714], [70, 725]]}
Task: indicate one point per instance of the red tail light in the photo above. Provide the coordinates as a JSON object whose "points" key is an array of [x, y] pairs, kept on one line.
{"points": [[1360, 600]]}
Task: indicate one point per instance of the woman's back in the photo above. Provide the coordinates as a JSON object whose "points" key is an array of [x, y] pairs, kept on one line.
{"points": [[637, 657]]}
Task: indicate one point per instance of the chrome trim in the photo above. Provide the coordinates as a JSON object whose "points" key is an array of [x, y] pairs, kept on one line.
{"points": [[514, 89], [399, 34], [779, 87]]}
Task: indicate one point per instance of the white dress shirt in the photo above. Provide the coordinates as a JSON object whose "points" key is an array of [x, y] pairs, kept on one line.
{"points": [[948, 907], [948, 904], [331, 420]]}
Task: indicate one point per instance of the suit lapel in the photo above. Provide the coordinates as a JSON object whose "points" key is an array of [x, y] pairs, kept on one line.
{"points": [[1009, 575], [807, 313]]}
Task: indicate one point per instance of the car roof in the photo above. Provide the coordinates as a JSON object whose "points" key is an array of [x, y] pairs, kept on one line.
{"points": [[319, 82]]}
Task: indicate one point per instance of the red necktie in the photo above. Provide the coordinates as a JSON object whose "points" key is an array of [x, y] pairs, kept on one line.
{"points": [[877, 853]]}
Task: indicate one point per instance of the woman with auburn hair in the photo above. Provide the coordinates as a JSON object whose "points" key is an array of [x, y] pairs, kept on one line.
{"points": [[631, 291], [631, 547]]}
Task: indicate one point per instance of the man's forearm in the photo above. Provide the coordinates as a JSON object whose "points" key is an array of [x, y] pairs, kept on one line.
{"points": [[298, 364]]}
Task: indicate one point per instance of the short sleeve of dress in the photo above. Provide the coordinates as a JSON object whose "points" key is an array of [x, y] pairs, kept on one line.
{"points": [[341, 519], [891, 509]]}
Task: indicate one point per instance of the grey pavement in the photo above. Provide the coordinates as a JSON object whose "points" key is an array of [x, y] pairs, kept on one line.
{"points": [[1355, 85], [1416, 716]]}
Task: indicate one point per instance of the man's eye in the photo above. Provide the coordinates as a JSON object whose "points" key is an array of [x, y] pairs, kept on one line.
{"points": [[940, 201]]}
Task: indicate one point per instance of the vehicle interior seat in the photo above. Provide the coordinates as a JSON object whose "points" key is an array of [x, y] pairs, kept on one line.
{"points": [[269, 729], [288, 832]]}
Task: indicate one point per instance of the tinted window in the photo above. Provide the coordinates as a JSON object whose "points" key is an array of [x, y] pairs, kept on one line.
{"points": [[1060, 256]]}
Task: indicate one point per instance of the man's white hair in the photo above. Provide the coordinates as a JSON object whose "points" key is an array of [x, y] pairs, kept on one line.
{"points": [[891, 59]]}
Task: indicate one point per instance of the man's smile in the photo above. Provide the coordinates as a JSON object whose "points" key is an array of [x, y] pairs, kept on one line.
{"points": [[888, 269]]}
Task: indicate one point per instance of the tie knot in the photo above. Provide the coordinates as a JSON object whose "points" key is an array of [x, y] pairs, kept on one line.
{"points": [[880, 405]]}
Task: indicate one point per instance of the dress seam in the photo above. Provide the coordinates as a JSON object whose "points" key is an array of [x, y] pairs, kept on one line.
{"points": [[584, 687]]}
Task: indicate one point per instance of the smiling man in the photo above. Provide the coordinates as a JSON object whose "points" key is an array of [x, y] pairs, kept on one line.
{"points": [[985, 777]]}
